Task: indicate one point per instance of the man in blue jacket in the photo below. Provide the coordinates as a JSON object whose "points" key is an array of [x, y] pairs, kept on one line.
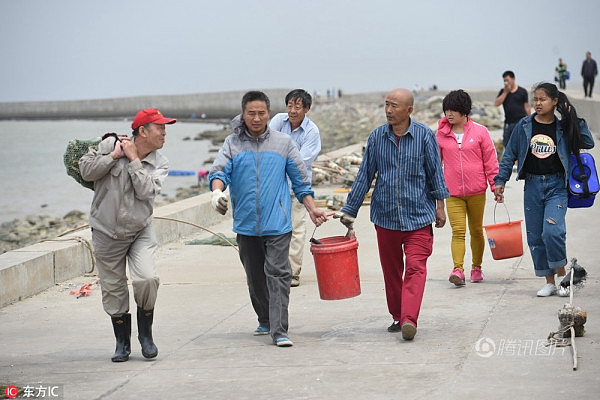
{"points": [[255, 163]]}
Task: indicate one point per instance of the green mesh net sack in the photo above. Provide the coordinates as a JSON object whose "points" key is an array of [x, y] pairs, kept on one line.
{"points": [[76, 148]]}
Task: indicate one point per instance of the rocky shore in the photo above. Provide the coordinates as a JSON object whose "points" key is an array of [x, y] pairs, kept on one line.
{"points": [[344, 121]]}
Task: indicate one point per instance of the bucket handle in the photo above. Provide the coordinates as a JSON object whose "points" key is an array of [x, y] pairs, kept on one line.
{"points": [[506, 208], [350, 235]]}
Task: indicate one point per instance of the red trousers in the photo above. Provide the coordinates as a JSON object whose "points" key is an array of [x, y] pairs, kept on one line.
{"points": [[404, 278]]}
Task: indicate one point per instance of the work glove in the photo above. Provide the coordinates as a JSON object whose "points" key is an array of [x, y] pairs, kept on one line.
{"points": [[219, 201], [345, 219]]}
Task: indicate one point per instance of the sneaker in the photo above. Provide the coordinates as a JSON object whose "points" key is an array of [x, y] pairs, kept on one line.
{"points": [[394, 327], [261, 330], [409, 330], [457, 277], [283, 342], [476, 275], [295, 281], [548, 290]]}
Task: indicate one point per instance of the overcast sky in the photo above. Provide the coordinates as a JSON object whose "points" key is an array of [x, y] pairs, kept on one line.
{"points": [[79, 49]]}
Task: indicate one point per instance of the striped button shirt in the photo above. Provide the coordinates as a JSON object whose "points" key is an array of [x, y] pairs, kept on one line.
{"points": [[409, 178]]}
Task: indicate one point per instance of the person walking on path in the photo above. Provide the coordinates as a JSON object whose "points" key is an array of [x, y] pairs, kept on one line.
{"points": [[541, 145], [470, 163], [561, 74], [589, 71], [514, 101], [254, 163], [128, 175], [408, 198], [305, 134]]}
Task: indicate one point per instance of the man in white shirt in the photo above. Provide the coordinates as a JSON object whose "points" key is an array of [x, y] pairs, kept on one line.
{"points": [[305, 134]]}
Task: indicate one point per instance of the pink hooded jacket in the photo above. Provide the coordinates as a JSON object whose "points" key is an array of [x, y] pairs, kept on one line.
{"points": [[468, 169]]}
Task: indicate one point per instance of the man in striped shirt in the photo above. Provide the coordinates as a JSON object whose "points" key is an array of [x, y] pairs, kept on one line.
{"points": [[408, 198]]}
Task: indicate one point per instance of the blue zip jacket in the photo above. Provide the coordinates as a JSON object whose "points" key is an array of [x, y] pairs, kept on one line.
{"points": [[518, 145], [255, 169]]}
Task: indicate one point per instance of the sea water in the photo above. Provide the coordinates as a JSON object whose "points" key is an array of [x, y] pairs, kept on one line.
{"points": [[33, 177]]}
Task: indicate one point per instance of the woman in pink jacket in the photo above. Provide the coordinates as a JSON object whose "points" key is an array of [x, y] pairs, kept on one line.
{"points": [[470, 164]]}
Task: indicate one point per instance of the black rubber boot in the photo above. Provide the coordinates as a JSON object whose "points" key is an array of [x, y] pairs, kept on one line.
{"points": [[144, 322], [122, 328]]}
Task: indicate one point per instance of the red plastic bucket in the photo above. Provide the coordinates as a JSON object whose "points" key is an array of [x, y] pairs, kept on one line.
{"points": [[336, 264], [505, 238]]}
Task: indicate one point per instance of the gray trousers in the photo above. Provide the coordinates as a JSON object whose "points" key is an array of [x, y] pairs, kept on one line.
{"points": [[268, 274], [112, 255]]}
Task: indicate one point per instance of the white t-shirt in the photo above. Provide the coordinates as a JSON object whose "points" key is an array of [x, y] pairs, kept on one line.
{"points": [[459, 137]]}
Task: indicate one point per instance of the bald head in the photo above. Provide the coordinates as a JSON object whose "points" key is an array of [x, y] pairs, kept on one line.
{"points": [[403, 96], [398, 107]]}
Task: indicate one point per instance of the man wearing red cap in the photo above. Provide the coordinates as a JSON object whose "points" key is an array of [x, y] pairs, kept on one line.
{"points": [[128, 174]]}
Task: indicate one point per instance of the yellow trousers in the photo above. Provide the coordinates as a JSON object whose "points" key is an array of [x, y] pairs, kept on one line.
{"points": [[459, 209]]}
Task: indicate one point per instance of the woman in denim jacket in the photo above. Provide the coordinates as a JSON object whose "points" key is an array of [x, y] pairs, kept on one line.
{"points": [[541, 144]]}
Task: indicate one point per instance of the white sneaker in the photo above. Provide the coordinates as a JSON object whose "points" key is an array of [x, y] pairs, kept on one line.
{"points": [[563, 291], [548, 290]]}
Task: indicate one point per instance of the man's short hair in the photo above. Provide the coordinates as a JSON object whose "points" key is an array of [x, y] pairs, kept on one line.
{"points": [[508, 73], [301, 94], [255, 95], [457, 100]]}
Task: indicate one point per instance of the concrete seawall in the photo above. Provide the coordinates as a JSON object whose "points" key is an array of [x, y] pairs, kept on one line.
{"points": [[32, 269], [207, 105]]}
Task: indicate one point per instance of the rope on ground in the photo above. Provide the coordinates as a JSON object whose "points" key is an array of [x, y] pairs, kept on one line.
{"points": [[87, 243], [200, 227]]}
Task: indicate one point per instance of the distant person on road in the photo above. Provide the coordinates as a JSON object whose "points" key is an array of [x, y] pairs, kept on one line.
{"points": [[560, 74], [255, 163], [305, 134], [408, 198], [128, 174], [514, 100], [541, 145], [589, 71], [470, 163]]}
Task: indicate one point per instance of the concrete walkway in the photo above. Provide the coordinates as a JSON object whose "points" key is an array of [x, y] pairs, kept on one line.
{"points": [[483, 340]]}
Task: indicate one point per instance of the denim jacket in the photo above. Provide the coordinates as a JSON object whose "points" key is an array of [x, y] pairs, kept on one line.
{"points": [[518, 145]]}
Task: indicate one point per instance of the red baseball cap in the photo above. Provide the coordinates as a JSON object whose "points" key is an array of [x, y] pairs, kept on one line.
{"points": [[150, 115]]}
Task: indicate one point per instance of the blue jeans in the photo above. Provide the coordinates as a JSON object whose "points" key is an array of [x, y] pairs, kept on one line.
{"points": [[545, 201]]}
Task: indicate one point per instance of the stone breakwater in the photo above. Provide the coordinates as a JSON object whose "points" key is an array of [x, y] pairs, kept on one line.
{"points": [[342, 122]]}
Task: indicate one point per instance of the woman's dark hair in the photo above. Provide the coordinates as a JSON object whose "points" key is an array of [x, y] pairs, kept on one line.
{"points": [[568, 115], [457, 100]]}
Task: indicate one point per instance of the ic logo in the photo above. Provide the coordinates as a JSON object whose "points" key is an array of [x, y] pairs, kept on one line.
{"points": [[11, 391]]}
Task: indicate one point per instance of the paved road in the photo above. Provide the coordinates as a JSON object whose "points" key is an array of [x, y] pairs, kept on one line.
{"points": [[484, 340]]}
